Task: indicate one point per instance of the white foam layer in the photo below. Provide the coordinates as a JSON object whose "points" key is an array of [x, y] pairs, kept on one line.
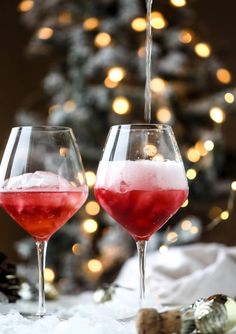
{"points": [[141, 175]]}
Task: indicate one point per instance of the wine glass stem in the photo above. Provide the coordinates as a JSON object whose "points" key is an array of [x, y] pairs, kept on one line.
{"points": [[41, 251], [141, 247]]}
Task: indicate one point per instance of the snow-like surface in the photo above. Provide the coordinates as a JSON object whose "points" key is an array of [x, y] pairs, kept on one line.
{"points": [[141, 175]]}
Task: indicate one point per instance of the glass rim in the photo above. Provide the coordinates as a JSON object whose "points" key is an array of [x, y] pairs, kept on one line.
{"points": [[140, 126], [43, 127]]}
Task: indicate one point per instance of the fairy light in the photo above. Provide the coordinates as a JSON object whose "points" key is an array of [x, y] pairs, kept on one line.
{"points": [[157, 20], [199, 146], [229, 98], [121, 105], [158, 157], [45, 33], [108, 83], [63, 151], [49, 275], [102, 40], [209, 145], [233, 185], [141, 52], [193, 155], [191, 174], [95, 266], [65, 18], [139, 24], [90, 178], [217, 114], [223, 75], [172, 237], [92, 208], [185, 36], [164, 115], [150, 150], [186, 225], [116, 74], [194, 230], [69, 106], [186, 202], [25, 6], [203, 50], [76, 249], [90, 226], [158, 85], [91, 23], [178, 3], [224, 215], [163, 249]]}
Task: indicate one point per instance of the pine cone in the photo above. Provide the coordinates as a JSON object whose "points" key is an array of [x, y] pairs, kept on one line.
{"points": [[9, 283]]}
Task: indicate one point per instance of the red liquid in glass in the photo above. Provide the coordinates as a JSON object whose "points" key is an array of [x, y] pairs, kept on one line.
{"points": [[141, 212], [41, 213]]}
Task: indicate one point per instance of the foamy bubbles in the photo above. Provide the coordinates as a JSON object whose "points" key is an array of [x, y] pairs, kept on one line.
{"points": [[128, 175]]}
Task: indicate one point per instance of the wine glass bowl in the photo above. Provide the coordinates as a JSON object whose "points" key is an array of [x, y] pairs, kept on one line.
{"points": [[42, 184], [141, 181]]}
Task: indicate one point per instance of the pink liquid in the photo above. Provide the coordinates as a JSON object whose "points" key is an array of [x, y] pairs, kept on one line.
{"points": [[141, 212], [42, 213]]}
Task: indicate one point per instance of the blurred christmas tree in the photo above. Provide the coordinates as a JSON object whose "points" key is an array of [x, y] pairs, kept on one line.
{"points": [[97, 79]]}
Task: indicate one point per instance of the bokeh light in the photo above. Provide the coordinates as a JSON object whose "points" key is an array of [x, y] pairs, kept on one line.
{"points": [[102, 40], [217, 114], [121, 105], [203, 50]]}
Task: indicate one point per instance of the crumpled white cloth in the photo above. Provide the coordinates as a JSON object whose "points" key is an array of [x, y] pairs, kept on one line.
{"points": [[185, 274]]}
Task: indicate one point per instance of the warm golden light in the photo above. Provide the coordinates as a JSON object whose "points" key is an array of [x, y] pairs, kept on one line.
{"points": [[186, 36], [233, 185], [139, 24], [178, 3], [217, 114], [45, 33], [194, 230], [110, 84], [150, 150], [90, 226], [90, 178], [229, 98], [158, 157], [163, 249], [185, 203], [172, 237], [191, 174], [63, 151], [95, 265], [65, 18], [142, 52], [91, 23], [224, 215], [193, 155], [76, 249], [116, 74], [163, 115], [49, 275], [223, 75], [25, 6], [157, 20], [199, 146], [121, 105], [209, 145], [203, 50], [158, 85], [186, 225], [69, 106], [102, 40], [92, 208]]}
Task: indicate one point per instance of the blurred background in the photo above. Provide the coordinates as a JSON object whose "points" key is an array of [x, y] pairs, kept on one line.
{"points": [[41, 75]]}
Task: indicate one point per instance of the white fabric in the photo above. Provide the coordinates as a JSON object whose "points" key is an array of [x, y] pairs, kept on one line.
{"points": [[187, 273]]}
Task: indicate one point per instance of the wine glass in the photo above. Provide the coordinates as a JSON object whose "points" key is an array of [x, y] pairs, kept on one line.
{"points": [[141, 182], [42, 184]]}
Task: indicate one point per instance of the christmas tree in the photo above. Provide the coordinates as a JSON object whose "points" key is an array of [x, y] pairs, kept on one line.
{"points": [[97, 79]]}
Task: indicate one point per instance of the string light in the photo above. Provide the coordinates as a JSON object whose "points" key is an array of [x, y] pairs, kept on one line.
{"points": [[178, 3], [193, 155], [224, 215], [194, 230], [90, 226], [185, 204], [199, 146], [45, 33], [90, 178], [223, 75], [110, 84], [172, 237], [186, 225], [186, 36], [209, 145], [69, 106], [49, 275], [65, 18], [91, 23], [76, 249], [63, 151], [139, 24], [92, 208], [163, 249], [233, 185], [164, 115], [158, 85], [25, 6], [150, 150], [191, 174], [95, 265], [217, 115], [102, 40], [203, 50], [121, 105], [229, 98], [116, 74], [157, 20]]}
